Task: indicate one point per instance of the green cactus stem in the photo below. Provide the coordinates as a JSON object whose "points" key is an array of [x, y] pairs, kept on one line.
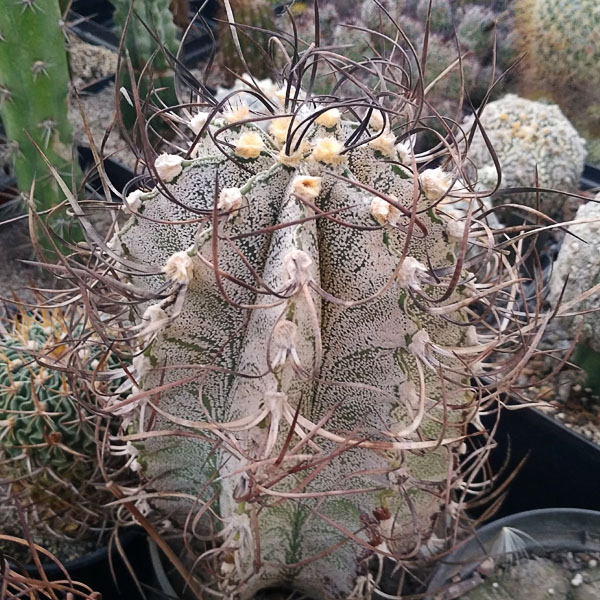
{"points": [[156, 16], [34, 85]]}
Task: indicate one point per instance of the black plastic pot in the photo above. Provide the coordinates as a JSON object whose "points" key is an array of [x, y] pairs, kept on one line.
{"points": [[548, 530], [94, 569], [561, 467]]}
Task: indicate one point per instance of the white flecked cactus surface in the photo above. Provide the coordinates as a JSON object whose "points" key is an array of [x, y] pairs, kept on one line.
{"points": [[526, 136], [310, 360]]}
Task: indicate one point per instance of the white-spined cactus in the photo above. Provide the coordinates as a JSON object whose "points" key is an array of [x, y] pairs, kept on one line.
{"points": [[535, 145], [576, 273], [308, 341]]}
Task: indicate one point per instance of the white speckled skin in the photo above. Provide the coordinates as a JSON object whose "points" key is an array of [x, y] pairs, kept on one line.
{"points": [[347, 367], [525, 135], [579, 260]]}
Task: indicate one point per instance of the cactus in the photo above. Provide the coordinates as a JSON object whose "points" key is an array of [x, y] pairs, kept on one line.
{"points": [[309, 353], [569, 29], [254, 44], [579, 261], [147, 16], [440, 19], [34, 86], [526, 136], [47, 441]]}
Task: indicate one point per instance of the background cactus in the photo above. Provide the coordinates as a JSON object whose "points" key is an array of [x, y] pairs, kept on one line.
{"points": [[34, 80], [569, 29], [526, 136], [47, 439], [156, 16], [579, 262], [254, 44], [308, 356]]}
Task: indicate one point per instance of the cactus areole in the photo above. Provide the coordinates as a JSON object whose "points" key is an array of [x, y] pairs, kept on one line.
{"points": [[310, 351]]}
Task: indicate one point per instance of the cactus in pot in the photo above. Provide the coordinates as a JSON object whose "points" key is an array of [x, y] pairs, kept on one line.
{"points": [[34, 87], [577, 270], [48, 440], [309, 347], [533, 142]]}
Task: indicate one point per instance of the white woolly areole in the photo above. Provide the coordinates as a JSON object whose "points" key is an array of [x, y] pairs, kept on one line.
{"points": [[297, 264], [328, 150], [179, 267], [197, 121], [455, 229], [404, 152], [435, 183], [418, 345], [306, 187], [281, 93], [230, 199], [141, 365], [411, 273], [377, 120], [237, 114], [249, 145], [385, 143], [279, 128], [384, 212], [133, 201], [168, 166], [329, 118], [155, 314], [293, 159]]}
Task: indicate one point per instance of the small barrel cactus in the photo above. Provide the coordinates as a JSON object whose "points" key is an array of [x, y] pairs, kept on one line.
{"points": [[47, 440], [34, 88], [527, 136], [578, 266]]}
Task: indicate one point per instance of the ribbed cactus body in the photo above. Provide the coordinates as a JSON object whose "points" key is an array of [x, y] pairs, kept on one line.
{"points": [[47, 440], [562, 38], [34, 80], [578, 262], [528, 136], [153, 15], [297, 306]]}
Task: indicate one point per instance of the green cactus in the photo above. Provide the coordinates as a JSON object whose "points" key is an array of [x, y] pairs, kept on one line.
{"points": [[579, 261], [314, 374], [47, 443], [526, 136], [34, 86], [440, 20], [254, 44], [153, 15]]}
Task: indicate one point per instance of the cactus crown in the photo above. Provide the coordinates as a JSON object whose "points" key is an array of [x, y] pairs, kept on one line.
{"points": [[296, 276]]}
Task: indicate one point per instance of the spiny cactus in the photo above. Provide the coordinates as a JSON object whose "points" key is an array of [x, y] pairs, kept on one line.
{"points": [[306, 380], [578, 266], [560, 40], [526, 136], [440, 17], [147, 16], [253, 43], [47, 440], [34, 80]]}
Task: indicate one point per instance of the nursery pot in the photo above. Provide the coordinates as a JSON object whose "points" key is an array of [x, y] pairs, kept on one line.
{"points": [[545, 530], [95, 569]]}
